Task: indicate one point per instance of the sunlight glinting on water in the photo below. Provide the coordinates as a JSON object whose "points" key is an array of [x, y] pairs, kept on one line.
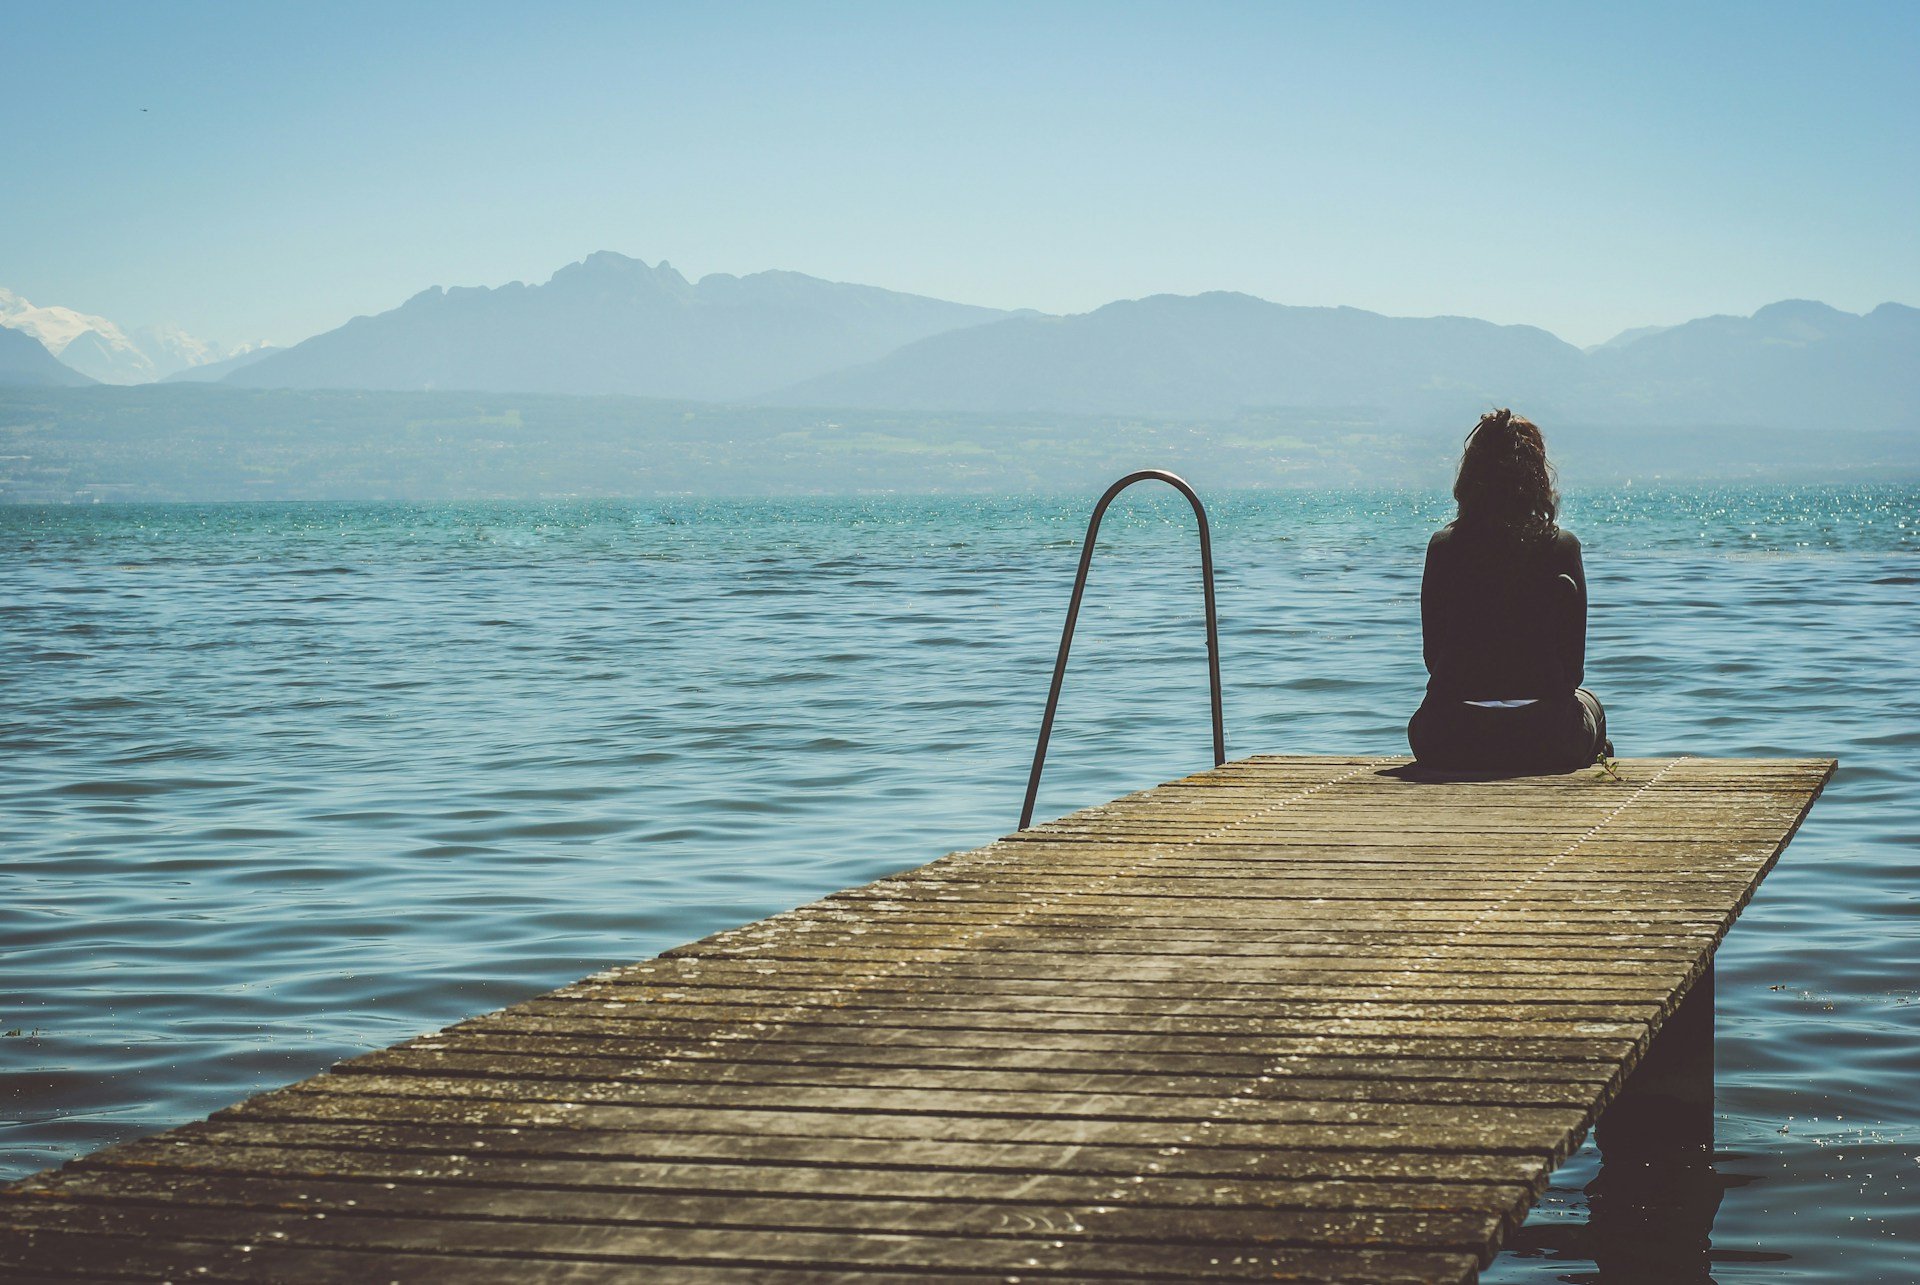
{"points": [[282, 783]]}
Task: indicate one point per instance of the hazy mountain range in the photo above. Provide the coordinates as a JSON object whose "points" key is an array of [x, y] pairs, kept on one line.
{"points": [[1209, 354], [614, 325], [1791, 363]]}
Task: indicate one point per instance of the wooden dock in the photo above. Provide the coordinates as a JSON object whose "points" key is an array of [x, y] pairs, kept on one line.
{"points": [[1291, 1019]]}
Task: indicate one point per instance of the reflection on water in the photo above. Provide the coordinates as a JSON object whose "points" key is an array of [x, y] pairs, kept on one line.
{"points": [[1647, 1221], [281, 783], [1650, 1208]]}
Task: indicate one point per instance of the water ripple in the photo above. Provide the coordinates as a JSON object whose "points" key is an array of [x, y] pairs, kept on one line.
{"points": [[282, 783]]}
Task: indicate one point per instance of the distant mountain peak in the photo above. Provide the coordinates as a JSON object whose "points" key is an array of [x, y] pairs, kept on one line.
{"points": [[608, 269], [614, 324], [614, 261], [1800, 310]]}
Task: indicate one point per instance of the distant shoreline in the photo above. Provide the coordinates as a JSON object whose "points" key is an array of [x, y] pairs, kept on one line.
{"points": [[198, 444]]}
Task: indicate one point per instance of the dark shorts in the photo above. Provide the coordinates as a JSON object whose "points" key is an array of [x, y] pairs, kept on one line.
{"points": [[1554, 735]]}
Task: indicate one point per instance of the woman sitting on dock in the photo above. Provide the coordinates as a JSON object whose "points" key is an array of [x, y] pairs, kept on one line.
{"points": [[1503, 613]]}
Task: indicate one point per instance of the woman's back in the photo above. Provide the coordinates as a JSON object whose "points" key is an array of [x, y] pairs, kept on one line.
{"points": [[1498, 620]]}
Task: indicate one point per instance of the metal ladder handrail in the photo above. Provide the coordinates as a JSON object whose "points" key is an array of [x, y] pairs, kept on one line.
{"points": [[1073, 614]]}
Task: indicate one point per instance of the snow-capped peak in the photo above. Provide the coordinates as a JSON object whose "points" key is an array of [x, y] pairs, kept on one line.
{"points": [[55, 327], [96, 346]]}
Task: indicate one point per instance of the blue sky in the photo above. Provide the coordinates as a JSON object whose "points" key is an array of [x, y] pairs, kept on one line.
{"points": [[1580, 167]]}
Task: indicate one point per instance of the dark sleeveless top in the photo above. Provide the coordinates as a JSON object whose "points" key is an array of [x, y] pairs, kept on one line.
{"points": [[1497, 621]]}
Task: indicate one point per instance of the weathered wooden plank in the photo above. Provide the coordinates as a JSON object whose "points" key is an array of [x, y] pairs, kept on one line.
{"points": [[1460, 949], [1045, 1250], [43, 1255], [572, 1012], [736, 1001], [847, 998], [1172, 1069], [667, 1036], [713, 1104], [494, 1063], [1296, 1018], [1026, 1160], [1101, 1216], [807, 976], [480, 1167], [1373, 937], [1544, 1134]]}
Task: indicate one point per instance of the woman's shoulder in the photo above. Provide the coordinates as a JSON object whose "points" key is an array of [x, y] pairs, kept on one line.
{"points": [[1562, 553], [1563, 543], [1440, 547]]}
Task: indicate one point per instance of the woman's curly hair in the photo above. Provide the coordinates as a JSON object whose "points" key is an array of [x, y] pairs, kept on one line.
{"points": [[1505, 484]]}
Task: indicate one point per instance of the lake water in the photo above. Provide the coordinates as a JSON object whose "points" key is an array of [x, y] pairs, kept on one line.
{"points": [[283, 783]]}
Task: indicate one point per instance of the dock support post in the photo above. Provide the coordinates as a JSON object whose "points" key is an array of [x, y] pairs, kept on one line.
{"points": [[1651, 1206], [1667, 1102]]}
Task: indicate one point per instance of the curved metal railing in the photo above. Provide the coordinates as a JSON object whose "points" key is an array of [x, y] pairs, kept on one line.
{"points": [[1073, 614]]}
